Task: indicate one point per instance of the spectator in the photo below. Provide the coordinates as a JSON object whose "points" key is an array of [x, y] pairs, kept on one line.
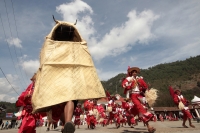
{"points": [[16, 123], [6, 126], [2, 125], [9, 124]]}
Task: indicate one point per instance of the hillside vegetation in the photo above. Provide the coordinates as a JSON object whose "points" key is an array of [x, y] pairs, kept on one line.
{"points": [[9, 107], [183, 74]]}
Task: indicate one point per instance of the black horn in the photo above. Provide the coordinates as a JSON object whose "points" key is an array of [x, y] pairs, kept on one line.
{"points": [[75, 22], [54, 19]]}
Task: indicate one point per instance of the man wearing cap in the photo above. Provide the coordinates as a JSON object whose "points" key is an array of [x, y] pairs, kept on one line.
{"points": [[136, 93], [182, 104]]}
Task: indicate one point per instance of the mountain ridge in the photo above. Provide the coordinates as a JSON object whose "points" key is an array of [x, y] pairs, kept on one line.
{"points": [[183, 74]]}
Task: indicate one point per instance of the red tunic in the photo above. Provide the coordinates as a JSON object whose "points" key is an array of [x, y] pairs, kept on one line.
{"points": [[180, 98], [89, 106], [138, 88], [77, 112], [29, 120], [130, 82]]}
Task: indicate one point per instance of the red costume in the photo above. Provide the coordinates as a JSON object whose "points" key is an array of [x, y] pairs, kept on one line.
{"points": [[29, 120], [138, 87], [161, 118], [91, 120], [77, 112], [112, 114], [179, 98], [136, 93], [128, 107]]}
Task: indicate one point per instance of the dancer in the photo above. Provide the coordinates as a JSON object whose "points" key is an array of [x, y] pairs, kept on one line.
{"points": [[137, 95], [29, 120], [90, 118], [66, 74], [128, 107], [112, 111], [182, 103], [161, 117], [77, 112]]}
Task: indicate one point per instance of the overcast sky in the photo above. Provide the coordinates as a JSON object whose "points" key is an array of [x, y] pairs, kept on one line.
{"points": [[119, 33]]}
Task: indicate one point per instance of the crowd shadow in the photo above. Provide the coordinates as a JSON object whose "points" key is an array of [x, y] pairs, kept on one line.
{"points": [[132, 131]]}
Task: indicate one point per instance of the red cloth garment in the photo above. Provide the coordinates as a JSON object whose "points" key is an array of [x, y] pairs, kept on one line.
{"points": [[179, 98], [57, 110], [23, 99], [89, 106], [161, 117], [91, 120], [108, 95], [29, 120], [100, 108], [142, 85], [186, 114], [132, 120], [140, 109], [130, 82], [77, 112], [127, 84]]}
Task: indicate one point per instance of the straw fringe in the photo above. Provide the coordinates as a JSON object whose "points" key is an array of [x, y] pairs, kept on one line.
{"points": [[96, 113], [101, 120], [109, 109], [82, 117], [151, 96], [181, 106]]}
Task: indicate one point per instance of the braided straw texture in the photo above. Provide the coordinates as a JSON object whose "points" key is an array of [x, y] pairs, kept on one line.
{"points": [[181, 106], [66, 73], [151, 96]]}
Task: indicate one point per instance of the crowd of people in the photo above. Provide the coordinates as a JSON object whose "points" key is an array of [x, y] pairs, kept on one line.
{"points": [[8, 124], [126, 111], [67, 75]]}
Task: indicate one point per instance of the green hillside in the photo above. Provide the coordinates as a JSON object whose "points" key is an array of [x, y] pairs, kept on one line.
{"points": [[184, 74], [9, 107]]}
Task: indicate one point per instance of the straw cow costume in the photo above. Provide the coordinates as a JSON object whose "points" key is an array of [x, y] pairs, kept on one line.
{"points": [[66, 71]]}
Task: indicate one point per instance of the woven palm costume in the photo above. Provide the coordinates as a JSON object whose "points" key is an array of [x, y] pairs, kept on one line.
{"points": [[66, 69]]}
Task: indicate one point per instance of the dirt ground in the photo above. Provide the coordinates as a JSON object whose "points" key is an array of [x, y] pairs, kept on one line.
{"points": [[161, 127]]}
